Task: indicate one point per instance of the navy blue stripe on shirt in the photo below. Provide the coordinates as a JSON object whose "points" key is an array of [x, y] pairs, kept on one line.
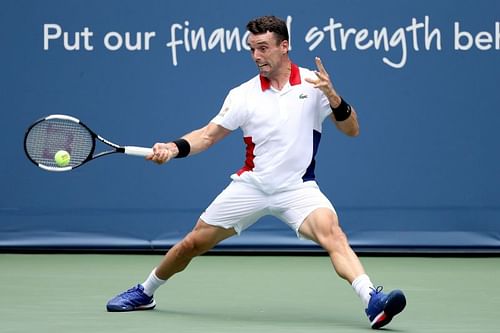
{"points": [[309, 175]]}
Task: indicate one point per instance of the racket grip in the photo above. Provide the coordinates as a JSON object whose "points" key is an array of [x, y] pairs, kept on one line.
{"points": [[138, 151]]}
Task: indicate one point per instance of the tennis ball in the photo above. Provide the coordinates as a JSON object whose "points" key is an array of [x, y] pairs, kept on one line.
{"points": [[62, 158]]}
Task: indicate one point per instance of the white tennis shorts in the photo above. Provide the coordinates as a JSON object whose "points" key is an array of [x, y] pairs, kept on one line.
{"points": [[240, 205]]}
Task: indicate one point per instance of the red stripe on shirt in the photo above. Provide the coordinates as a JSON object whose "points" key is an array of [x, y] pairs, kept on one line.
{"points": [[249, 156]]}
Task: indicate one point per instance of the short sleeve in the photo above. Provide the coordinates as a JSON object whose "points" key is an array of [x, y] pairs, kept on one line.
{"points": [[232, 113]]}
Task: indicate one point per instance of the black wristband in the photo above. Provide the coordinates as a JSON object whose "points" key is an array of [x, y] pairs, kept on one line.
{"points": [[183, 146], [341, 112]]}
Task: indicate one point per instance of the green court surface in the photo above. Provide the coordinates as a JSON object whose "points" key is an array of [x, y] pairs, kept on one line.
{"points": [[68, 293]]}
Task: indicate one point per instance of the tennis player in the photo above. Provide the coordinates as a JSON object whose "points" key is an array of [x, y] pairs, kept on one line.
{"points": [[280, 111]]}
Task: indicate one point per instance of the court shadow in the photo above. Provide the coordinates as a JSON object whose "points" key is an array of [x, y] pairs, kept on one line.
{"points": [[260, 318]]}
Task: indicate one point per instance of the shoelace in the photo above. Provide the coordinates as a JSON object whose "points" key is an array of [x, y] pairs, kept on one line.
{"points": [[128, 294], [376, 290]]}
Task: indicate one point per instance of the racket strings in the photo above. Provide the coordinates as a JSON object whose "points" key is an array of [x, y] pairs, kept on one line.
{"points": [[49, 136]]}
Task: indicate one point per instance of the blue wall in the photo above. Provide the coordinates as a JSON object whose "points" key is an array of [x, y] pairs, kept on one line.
{"points": [[423, 174]]}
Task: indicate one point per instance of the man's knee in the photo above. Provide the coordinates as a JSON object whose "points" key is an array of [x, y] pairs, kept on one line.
{"points": [[339, 235], [203, 238], [192, 246]]}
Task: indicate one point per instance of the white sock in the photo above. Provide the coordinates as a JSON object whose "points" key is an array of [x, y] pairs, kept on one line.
{"points": [[152, 283], [363, 287]]}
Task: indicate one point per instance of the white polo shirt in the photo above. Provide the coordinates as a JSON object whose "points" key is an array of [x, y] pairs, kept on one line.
{"points": [[281, 129]]}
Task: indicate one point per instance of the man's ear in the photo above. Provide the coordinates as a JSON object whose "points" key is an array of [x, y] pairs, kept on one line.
{"points": [[284, 46]]}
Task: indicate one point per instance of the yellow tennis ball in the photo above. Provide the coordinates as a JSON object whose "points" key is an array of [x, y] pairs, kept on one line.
{"points": [[62, 158]]}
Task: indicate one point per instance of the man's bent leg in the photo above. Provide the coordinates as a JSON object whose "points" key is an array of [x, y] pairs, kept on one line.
{"points": [[201, 239], [322, 227]]}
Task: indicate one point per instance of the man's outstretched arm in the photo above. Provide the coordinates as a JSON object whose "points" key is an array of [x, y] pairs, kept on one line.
{"points": [[190, 144]]}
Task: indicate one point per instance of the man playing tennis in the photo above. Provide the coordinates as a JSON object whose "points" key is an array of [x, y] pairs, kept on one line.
{"points": [[280, 112]]}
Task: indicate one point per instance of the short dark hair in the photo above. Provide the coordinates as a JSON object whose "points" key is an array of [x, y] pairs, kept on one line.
{"points": [[263, 24]]}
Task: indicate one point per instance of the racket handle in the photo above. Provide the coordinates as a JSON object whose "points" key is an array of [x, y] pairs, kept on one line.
{"points": [[138, 151]]}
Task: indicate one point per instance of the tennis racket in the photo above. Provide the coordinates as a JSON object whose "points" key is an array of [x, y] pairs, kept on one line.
{"points": [[58, 132]]}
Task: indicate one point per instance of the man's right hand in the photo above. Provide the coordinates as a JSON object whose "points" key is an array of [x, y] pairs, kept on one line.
{"points": [[163, 152]]}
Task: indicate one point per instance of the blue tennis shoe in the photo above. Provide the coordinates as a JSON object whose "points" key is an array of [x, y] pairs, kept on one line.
{"points": [[383, 307], [131, 300]]}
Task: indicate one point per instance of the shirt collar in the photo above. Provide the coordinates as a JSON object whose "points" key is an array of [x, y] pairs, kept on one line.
{"points": [[293, 80]]}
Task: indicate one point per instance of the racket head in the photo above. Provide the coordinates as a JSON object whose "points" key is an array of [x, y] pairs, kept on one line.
{"points": [[59, 132]]}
